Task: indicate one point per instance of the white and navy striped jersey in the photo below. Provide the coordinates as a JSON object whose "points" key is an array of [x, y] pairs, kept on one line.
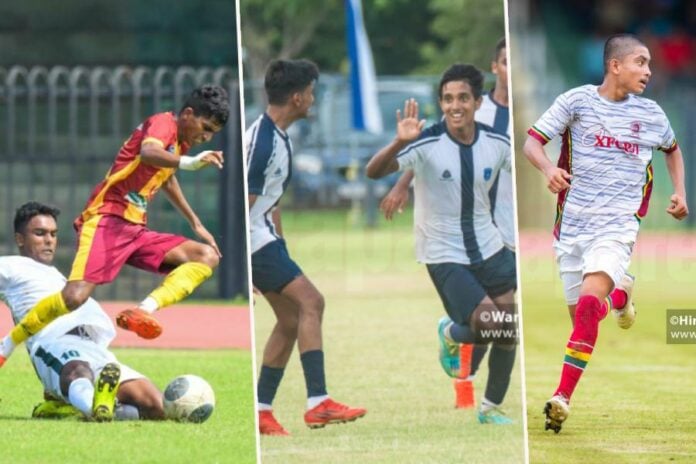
{"points": [[607, 147], [498, 117], [453, 193], [269, 168], [24, 282]]}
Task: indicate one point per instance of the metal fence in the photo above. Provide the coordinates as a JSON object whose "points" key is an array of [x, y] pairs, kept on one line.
{"points": [[62, 128]]}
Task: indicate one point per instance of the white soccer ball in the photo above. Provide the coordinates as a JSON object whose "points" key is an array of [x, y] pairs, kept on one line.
{"points": [[189, 398]]}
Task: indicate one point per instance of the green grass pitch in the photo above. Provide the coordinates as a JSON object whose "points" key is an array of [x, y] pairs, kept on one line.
{"points": [[380, 340], [634, 403], [228, 436]]}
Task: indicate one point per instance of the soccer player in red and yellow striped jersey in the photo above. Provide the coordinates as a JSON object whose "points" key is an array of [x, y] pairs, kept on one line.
{"points": [[112, 229]]}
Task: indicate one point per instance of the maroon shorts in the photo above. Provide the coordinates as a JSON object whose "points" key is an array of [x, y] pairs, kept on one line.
{"points": [[106, 243]]}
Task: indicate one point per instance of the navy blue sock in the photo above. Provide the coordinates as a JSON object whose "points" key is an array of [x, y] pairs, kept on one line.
{"points": [[313, 367], [269, 379], [462, 333], [477, 357], [500, 363]]}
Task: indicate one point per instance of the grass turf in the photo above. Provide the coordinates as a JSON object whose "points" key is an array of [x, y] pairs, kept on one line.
{"points": [[228, 436], [380, 341], [633, 403]]}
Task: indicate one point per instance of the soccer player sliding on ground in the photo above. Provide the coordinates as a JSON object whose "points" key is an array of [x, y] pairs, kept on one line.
{"points": [[112, 228], [297, 304], [456, 163], [603, 181], [72, 351]]}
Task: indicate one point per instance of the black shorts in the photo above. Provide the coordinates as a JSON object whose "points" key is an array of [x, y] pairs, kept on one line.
{"points": [[272, 268], [462, 287]]}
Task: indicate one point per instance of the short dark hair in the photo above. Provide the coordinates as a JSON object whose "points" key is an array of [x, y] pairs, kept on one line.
{"points": [[499, 46], [286, 77], [463, 72], [29, 210], [209, 101], [618, 46]]}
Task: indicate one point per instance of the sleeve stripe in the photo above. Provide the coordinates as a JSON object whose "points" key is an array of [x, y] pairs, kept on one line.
{"points": [[539, 135], [152, 140], [671, 148], [417, 144]]}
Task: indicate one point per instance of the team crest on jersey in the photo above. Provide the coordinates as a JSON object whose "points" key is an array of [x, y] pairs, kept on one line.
{"points": [[137, 200], [171, 149], [487, 173], [446, 175], [635, 127]]}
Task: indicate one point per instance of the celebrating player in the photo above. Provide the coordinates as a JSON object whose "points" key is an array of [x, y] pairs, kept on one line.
{"points": [[112, 229], [72, 350], [297, 304], [603, 181], [493, 112], [456, 163]]}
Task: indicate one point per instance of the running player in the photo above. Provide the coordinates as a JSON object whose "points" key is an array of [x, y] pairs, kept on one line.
{"points": [[493, 112], [72, 351], [112, 228], [456, 163], [603, 181], [297, 304]]}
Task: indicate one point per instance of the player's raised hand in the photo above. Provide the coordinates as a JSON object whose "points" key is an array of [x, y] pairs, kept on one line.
{"points": [[408, 127], [207, 237], [394, 201], [557, 179], [214, 157], [678, 208]]}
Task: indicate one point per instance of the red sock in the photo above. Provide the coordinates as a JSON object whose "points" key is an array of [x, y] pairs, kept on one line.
{"points": [[588, 312], [618, 298]]}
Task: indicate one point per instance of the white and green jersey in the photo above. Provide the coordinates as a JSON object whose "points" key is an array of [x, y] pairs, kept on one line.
{"points": [[24, 282]]}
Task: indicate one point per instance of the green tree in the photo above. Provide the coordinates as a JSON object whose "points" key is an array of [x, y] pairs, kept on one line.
{"points": [[465, 31]]}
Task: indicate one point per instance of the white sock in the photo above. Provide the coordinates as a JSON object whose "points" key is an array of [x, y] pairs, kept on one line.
{"points": [[6, 347], [81, 395], [487, 405], [149, 305], [313, 401], [264, 407], [126, 412]]}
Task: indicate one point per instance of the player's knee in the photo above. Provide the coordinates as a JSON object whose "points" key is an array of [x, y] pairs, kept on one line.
{"points": [[316, 302], [208, 256], [74, 297], [72, 371]]}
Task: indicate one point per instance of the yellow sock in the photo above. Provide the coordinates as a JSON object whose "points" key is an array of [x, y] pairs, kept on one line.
{"points": [[43, 313], [180, 283]]}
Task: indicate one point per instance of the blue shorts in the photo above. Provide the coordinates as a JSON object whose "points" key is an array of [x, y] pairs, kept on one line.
{"points": [[462, 287], [272, 268]]}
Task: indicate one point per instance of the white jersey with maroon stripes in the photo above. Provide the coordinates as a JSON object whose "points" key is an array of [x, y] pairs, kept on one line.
{"points": [[607, 147]]}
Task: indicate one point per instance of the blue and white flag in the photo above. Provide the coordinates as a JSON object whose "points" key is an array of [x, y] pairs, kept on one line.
{"points": [[363, 80]]}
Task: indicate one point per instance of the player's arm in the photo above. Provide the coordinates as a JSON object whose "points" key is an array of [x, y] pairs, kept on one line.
{"points": [[675, 166], [397, 197], [556, 178], [176, 197], [407, 130], [152, 152]]}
